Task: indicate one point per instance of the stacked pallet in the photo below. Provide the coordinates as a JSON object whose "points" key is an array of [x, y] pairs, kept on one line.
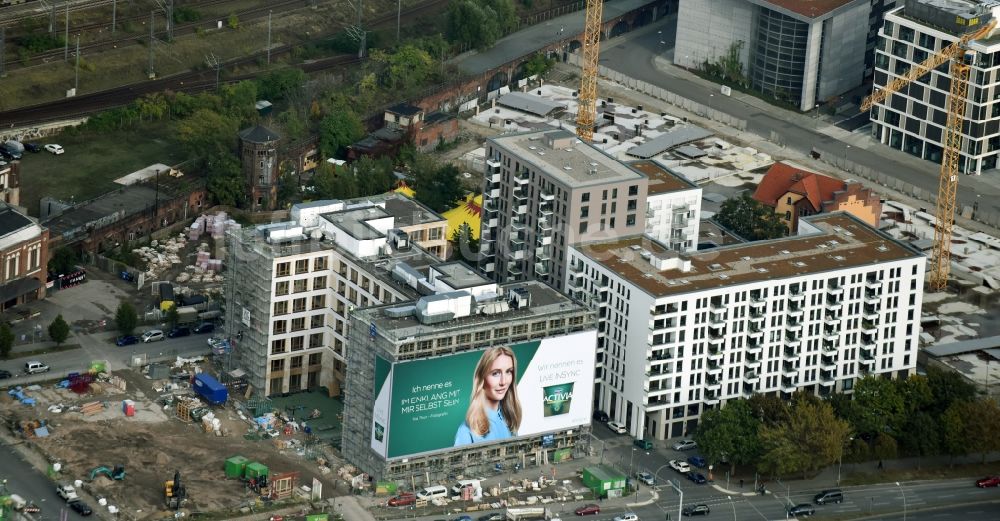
{"points": [[91, 408]]}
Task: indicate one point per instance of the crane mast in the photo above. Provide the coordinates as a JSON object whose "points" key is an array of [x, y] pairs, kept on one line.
{"points": [[587, 108]]}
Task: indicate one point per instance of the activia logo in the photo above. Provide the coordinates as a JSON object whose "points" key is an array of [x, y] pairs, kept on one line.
{"points": [[557, 398]]}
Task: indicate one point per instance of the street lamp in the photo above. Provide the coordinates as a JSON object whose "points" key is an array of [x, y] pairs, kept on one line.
{"points": [[840, 460], [675, 486], [902, 493]]}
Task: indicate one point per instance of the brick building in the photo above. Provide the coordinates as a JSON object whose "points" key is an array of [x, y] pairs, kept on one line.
{"points": [[794, 192], [24, 252]]}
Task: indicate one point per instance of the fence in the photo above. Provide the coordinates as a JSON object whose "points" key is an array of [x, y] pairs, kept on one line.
{"points": [[662, 94]]}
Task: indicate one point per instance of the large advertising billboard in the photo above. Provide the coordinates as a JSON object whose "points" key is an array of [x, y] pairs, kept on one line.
{"points": [[483, 396]]}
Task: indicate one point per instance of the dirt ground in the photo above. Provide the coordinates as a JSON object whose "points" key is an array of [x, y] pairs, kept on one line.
{"points": [[152, 445]]}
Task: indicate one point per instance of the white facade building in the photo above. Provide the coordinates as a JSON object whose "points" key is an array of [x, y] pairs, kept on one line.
{"points": [[680, 334], [914, 119]]}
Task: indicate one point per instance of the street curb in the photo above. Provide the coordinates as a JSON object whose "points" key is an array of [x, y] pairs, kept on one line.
{"points": [[734, 493], [653, 498]]}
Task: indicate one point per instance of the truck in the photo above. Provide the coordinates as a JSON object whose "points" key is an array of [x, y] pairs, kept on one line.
{"points": [[210, 389], [67, 492], [529, 513]]}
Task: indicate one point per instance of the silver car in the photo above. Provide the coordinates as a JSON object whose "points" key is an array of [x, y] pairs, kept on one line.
{"points": [[153, 335], [685, 445]]}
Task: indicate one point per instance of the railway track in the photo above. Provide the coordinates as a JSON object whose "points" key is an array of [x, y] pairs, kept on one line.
{"points": [[192, 81]]}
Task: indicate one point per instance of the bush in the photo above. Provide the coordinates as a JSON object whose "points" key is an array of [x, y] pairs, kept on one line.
{"points": [[40, 42]]}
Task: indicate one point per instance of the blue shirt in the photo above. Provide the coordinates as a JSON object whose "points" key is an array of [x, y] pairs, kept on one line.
{"points": [[498, 430]]}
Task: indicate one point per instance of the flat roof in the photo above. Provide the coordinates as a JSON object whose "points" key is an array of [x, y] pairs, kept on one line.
{"points": [[661, 180], [530, 103], [988, 344], [842, 242], [459, 275], [409, 212], [578, 165], [666, 141], [353, 221], [544, 301], [808, 8]]}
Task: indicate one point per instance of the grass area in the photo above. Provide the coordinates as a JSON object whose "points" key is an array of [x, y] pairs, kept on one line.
{"points": [[91, 162], [745, 90], [932, 471], [46, 351]]}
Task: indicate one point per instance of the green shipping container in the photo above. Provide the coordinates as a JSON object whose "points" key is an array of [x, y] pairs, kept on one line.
{"points": [[317, 517], [255, 470], [235, 467]]}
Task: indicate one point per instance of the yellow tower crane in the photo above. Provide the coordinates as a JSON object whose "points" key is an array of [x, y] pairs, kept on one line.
{"points": [[587, 108], [961, 57]]}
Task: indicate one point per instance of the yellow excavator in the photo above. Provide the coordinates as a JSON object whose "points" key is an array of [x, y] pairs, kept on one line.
{"points": [[174, 492]]}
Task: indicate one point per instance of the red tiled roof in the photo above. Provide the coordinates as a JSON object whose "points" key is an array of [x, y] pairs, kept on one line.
{"points": [[781, 179], [810, 8]]}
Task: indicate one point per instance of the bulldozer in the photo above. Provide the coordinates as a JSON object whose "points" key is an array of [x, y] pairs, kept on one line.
{"points": [[174, 492]]}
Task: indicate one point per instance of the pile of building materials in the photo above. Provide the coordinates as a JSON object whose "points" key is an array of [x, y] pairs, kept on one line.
{"points": [[159, 256], [215, 225]]}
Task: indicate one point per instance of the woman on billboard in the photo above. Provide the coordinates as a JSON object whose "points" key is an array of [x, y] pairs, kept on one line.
{"points": [[494, 409]]}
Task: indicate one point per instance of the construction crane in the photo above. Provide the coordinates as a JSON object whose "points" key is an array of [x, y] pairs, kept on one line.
{"points": [[961, 57], [587, 100]]}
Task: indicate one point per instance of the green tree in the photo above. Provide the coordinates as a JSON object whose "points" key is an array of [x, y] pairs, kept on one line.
{"points": [[437, 186], [225, 179], [768, 409], [6, 340], [206, 134], [469, 24], [373, 176], [233, 21], [885, 447], [750, 219], [538, 64], [58, 330], [953, 429], [730, 434], [981, 430], [331, 183], [878, 406], [126, 318], [239, 101], [947, 387], [463, 245], [63, 261], [338, 130], [278, 84], [811, 438], [920, 436], [408, 66], [858, 451], [288, 189], [915, 392]]}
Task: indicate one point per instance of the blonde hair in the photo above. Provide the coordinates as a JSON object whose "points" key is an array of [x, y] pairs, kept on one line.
{"points": [[510, 406]]}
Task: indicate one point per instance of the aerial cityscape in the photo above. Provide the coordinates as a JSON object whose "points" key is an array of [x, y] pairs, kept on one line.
{"points": [[499, 260]]}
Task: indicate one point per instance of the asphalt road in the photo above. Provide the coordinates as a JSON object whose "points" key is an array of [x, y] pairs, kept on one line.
{"points": [[636, 54], [27, 482]]}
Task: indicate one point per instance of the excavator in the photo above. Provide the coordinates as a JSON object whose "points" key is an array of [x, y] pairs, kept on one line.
{"points": [[174, 492]]}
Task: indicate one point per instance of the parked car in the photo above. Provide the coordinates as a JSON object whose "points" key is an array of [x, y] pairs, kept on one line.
{"points": [[680, 466], [4, 374], [698, 461], [126, 340], [587, 510], [80, 507], [697, 477], [34, 366], [492, 516], [802, 509], [403, 499], [643, 444], [463, 518], [696, 510], [153, 335], [991, 481], [204, 327], [685, 445], [179, 332], [33, 147], [54, 148], [601, 416], [67, 492], [617, 427], [646, 478], [628, 516]]}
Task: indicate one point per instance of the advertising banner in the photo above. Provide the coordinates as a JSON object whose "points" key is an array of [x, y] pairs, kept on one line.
{"points": [[483, 396]]}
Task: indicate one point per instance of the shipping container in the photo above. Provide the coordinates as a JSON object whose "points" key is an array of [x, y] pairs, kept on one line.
{"points": [[235, 467], [255, 470], [210, 389]]}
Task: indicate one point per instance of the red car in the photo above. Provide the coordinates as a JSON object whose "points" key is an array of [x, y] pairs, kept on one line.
{"points": [[406, 498], [588, 509], [992, 481]]}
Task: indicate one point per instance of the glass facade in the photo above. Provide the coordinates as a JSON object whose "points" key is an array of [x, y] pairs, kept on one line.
{"points": [[779, 55]]}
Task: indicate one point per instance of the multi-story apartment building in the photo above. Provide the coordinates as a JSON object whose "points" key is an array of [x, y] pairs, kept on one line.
{"points": [[10, 182], [913, 120], [682, 333], [24, 251], [802, 51], [546, 190], [290, 285], [412, 366]]}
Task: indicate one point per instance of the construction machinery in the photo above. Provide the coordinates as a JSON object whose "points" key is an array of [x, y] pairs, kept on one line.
{"points": [[174, 492], [117, 473], [961, 57], [586, 112]]}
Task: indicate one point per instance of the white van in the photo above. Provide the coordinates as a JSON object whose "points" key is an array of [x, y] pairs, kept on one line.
{"points": [[435, 491]]}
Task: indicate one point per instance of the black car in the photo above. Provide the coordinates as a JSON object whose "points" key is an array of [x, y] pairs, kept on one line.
{"points": [[5, 374], [601, 416], [204, 327], [126, 340], [81, 508], [697, 477], [804, 510], [178, 332], [33, 147], [696, 510]]}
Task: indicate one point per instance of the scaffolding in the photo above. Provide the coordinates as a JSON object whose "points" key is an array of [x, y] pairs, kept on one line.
{"points": [[248, 304]]}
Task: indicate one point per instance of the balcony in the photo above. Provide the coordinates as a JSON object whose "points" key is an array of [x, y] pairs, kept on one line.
{"points": [[547, 196], [576, 283], [788, 385], [520, 208], [868, 361], [490, 205], [711, 399], [486, 249], [871, 313], [757, 303], [789, 368], [542, 269], [868, 348], [831, 333], [680, 223], [831, 345], [873, 297], [827, 381], [542, 254], [519, 196], [867, 338], [795, 313], [717, 323], [716, 340], [796, 296], [836, 291], [751, 377], [715, 355], [714, 369], [790, 353], [544, 240], [832, 305], [493, 193], [752, 363], [713, 384], [522, 178], [756, 319], [514, 269], [828, 361], [793, 326], [755, 349], [544, 226], [868, 327], [516, 255], [489, 267], [873, 284]]}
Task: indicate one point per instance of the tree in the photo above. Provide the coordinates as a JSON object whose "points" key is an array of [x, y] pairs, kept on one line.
{"points": [[981, 432], [920, 436], [885, 447], [768, 409], [288, 189], [59, 330], [729, 433], [63, 261], [338, 130], [233, 21], [811, 438], [330, 183], [947, 387], [878, 406], [6, 340], [126, 318], [279, 84], [373, 176], [225, 179], [858, 451], [436, 186], [206, 133], [953, 430], [538, 64], [463, 245], [409, 66], [915, 392], [750, 219], [239, 101]]}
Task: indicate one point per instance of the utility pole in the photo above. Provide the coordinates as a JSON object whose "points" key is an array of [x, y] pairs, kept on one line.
{"points": [[3, 71], [399, 11], [114, 17], [152, 20], [361, 48], [76, 82], [52, 18], [170, 20], [66, 36], [213, 62], [269, 37]]}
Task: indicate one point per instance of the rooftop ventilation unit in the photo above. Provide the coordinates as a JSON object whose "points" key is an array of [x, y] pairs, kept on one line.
{"points": [[520, 298]]}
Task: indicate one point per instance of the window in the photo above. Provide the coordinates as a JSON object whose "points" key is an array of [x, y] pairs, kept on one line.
{"points": [[316, 321], [34, 257], [316, 359], [280, 307], [583, 228], [633, 190], [277, 346], [301, 285], [301, 266], [316, 340], [296, 343], [788, 216], [630, 220], [584, 212], [298, 324], [281, 288], [280, 326], [585, 197], [296, 362], [788, 201], [320, 263], [298, 305], [277, 365], [631, 205], [434, 234], [319, 283], [283, 269], [318, 301]]}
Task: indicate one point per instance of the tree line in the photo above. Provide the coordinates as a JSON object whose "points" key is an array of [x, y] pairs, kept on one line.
{"points": [[939, 413]]}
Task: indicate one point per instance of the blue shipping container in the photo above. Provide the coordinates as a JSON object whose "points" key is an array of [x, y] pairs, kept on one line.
{"points": [[210, 389]]}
